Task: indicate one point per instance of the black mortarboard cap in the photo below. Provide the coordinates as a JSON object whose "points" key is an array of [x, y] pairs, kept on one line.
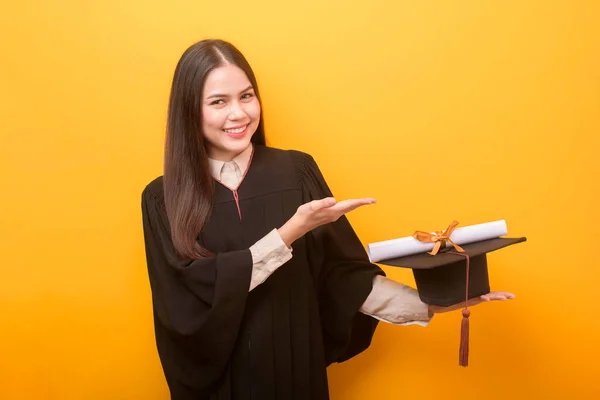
{"points": [[442, 278]]}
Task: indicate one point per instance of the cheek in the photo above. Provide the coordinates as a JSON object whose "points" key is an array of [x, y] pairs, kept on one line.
{"points": [[212, 119], [253, 110]]}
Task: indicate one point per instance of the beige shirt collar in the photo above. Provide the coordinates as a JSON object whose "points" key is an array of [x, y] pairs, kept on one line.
{"points": [[241, 161]]}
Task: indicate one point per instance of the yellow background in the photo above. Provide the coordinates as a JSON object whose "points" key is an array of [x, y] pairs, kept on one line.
{"points": [[442, 110]]}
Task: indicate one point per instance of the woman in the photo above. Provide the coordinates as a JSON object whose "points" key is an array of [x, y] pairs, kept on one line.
{"points": [[258, 280]]}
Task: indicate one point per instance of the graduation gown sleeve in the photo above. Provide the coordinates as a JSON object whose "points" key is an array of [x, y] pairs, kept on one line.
{"points": [[342, 271], [198, 305]]}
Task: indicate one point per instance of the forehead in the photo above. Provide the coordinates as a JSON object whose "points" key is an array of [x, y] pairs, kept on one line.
{"points": [[228, 79]]}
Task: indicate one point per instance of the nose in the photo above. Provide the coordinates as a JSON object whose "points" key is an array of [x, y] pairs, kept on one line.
{"points": [[235, 111]]}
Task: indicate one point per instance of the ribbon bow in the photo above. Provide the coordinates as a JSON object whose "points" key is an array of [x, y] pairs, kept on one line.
{"points": [[439, 238]]}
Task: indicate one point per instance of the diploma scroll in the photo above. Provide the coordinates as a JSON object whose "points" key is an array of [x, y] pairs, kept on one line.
{"points": [[408, 245]]}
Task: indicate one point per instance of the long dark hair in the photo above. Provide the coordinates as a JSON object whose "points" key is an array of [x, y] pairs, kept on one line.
{"points": [[188, 184]]}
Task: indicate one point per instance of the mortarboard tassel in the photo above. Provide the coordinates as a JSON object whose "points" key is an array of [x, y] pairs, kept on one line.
{"points": [[463, 352], [440, 238], [463, 357]]}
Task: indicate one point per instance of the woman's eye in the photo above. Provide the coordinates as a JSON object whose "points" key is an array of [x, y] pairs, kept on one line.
{"points": [[216, 102], [246, 95]]}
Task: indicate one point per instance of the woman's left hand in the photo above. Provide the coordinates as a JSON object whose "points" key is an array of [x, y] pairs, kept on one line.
{"points": [[473, 302]]}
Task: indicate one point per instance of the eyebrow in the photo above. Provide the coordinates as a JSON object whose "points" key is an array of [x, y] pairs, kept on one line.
{"points": [[222, 95]]}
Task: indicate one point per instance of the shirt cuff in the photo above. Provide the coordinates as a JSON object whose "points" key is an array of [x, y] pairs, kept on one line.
{"points": [[395, 303], [268, 254]]}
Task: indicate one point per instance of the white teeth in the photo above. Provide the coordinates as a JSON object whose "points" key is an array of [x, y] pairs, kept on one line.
{"points": [[238, 130]]}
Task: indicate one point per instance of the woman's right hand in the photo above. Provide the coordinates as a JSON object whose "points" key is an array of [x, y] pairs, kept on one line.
{"points": [[316, 213]]}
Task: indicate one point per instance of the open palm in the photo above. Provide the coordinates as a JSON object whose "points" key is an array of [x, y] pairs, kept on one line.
{"points": [[492, 296]]}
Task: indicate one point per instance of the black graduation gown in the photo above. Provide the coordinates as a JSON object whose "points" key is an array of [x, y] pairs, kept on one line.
{"points": [[217, 340]]}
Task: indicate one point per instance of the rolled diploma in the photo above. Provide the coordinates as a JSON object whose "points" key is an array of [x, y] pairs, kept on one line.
{"points": [[408, 245]]}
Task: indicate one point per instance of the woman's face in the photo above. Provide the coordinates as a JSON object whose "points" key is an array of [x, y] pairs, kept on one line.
{"points": [[230, 112]]}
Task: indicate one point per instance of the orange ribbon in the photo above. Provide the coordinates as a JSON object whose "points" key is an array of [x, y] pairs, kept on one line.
{"points": [[439, 238]]}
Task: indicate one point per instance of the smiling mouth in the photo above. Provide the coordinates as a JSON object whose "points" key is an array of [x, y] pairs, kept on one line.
{"points": [[236, 130]]}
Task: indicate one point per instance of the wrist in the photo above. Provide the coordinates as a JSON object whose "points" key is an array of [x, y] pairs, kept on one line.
{"points": [[291, 231]]}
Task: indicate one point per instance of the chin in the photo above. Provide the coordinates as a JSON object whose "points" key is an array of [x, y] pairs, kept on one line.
{"points": [[238, 145]]}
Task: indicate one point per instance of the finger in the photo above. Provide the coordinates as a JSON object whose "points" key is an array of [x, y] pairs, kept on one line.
{"points": [[352, 202], [507, 295], [323, 203], [345, 206]]}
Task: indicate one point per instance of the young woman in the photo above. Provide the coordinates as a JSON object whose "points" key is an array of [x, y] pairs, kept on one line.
{"points": [[258, 280]]}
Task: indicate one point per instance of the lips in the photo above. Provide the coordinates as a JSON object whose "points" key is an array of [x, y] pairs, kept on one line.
{"points": [[236, 130]]}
